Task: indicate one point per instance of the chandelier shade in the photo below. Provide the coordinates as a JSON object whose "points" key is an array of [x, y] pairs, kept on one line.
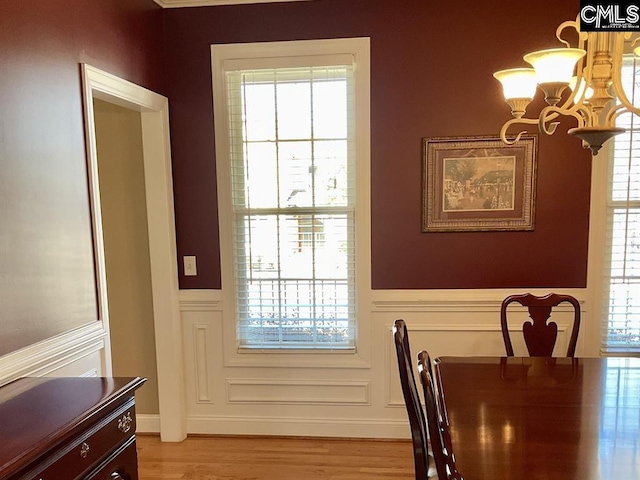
{"points": [[554, 65], [591, 68], [517, 82]]}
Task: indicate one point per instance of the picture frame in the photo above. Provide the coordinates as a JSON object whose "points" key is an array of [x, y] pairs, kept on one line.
{"points": [[478, 184]]}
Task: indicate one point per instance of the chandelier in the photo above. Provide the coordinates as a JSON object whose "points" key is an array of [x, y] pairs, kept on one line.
{"points": [[591, 70]]}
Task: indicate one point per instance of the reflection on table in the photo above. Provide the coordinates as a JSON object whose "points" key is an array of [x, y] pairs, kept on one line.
{"points": [[543, 418]]}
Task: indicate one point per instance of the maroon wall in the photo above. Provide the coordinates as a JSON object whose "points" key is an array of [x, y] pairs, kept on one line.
{"points": [[46, 259], [431, 76]]}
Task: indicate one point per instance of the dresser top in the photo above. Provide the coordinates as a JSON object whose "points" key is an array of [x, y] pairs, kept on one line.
{"points": [[38, 413]]}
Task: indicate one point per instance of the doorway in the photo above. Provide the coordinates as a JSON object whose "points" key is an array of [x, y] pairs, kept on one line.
{"points": [[150, 111], [126, 249]]}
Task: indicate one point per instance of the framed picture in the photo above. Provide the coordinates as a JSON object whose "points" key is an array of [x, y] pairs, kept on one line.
{"points": [[478, 184]]}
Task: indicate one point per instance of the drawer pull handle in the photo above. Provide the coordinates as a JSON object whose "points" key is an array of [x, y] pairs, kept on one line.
{"points": [[116, 476], [84, 450], [124, 423]]}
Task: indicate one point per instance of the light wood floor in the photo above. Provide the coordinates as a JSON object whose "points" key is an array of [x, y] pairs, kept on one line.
{"points": [[274, 458]]}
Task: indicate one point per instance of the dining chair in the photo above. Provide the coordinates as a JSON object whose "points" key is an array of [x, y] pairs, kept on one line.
{"points": [[412, 401], [437, 423], [540, 336]]}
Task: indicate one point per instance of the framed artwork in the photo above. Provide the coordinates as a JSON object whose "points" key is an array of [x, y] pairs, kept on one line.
{"points": [[478, 184]]}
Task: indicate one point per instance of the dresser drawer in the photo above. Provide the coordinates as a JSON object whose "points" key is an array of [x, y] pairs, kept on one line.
{"points": [[122, 466], [90, 447]]}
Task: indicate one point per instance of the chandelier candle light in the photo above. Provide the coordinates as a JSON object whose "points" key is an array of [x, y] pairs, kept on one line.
{"points": [[595, 86]]}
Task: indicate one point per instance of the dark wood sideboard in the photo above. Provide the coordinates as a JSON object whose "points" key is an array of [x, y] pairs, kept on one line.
{"points": [[68, 428]]}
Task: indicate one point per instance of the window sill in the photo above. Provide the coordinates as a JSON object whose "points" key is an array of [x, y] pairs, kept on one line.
{"points": [[620, 351], [315, 350]]}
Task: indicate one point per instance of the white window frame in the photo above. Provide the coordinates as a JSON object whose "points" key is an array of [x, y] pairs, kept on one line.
{"points": [[286, 52], [599, 257]]}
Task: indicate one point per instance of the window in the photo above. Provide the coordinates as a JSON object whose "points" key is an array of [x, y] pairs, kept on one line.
{"points": [[622, 326], [289, 174]]}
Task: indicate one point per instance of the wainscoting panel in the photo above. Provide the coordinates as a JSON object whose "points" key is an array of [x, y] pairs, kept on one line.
{"points": [[202, 344], [74, 353], [297, 392], [276, 393]]}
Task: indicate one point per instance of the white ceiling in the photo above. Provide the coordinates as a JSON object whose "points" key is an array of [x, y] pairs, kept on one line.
{"points": [[202, 3]]}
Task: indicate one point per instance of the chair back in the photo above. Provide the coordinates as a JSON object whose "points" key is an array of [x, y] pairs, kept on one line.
{"points": [[437, 422], [540, 336], [412, 401]]}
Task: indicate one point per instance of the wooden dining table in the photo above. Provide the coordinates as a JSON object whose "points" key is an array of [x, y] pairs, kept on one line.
{"points": [[537, 418]]}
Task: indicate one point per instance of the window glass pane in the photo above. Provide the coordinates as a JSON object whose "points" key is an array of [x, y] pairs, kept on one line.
{"points": [[333, 234], [257, 246], [625, 181], [259, 111], [330, 172], [294, 110], [624, 312], [330, 109], [297, 310], [261, 182], [294, 173], [625, 244]]}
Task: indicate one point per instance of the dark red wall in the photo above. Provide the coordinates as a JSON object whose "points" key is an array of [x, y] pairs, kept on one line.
{"points": [[431, 75], [425, 82], [46, 259]]}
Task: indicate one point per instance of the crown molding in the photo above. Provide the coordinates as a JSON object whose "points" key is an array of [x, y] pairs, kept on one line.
{"points": [[213, 3]]}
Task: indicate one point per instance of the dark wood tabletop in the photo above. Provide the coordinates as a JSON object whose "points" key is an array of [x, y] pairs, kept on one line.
{"points": [[543, 418]]}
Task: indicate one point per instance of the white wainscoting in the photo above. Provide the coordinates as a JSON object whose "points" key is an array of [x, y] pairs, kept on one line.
{"points": [[292, 395], [79, 352], [305, 394]]}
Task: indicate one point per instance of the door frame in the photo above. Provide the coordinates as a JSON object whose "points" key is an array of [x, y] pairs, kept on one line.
{"points": [[154, 110]]}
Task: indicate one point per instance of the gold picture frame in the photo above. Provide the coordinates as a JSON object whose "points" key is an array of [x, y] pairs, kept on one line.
{"points": [[478, 184]]}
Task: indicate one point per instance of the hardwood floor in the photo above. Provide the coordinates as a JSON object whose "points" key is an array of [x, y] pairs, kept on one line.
{"points": [[274, 458]]}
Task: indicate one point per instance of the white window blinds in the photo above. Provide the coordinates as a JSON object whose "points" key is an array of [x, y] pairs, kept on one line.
{"points": [[622, 326], [292, 153]]}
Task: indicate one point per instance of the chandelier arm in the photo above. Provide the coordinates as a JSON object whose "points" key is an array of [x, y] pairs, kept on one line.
{"points": [[550, 112], [583, 38], [572, 104], [587, 116], [515, 121], [574, 24]]}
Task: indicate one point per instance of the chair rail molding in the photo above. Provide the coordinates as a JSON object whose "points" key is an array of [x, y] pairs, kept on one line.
{"points": [[208, 300], [51, 356], [485, 300]]}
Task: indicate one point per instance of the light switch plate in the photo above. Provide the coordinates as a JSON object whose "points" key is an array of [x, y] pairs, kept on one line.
{"points": [[190, 269]]}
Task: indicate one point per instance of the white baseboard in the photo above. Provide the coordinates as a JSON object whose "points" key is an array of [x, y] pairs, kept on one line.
{"points": [[305, 427], [147, 423]]}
